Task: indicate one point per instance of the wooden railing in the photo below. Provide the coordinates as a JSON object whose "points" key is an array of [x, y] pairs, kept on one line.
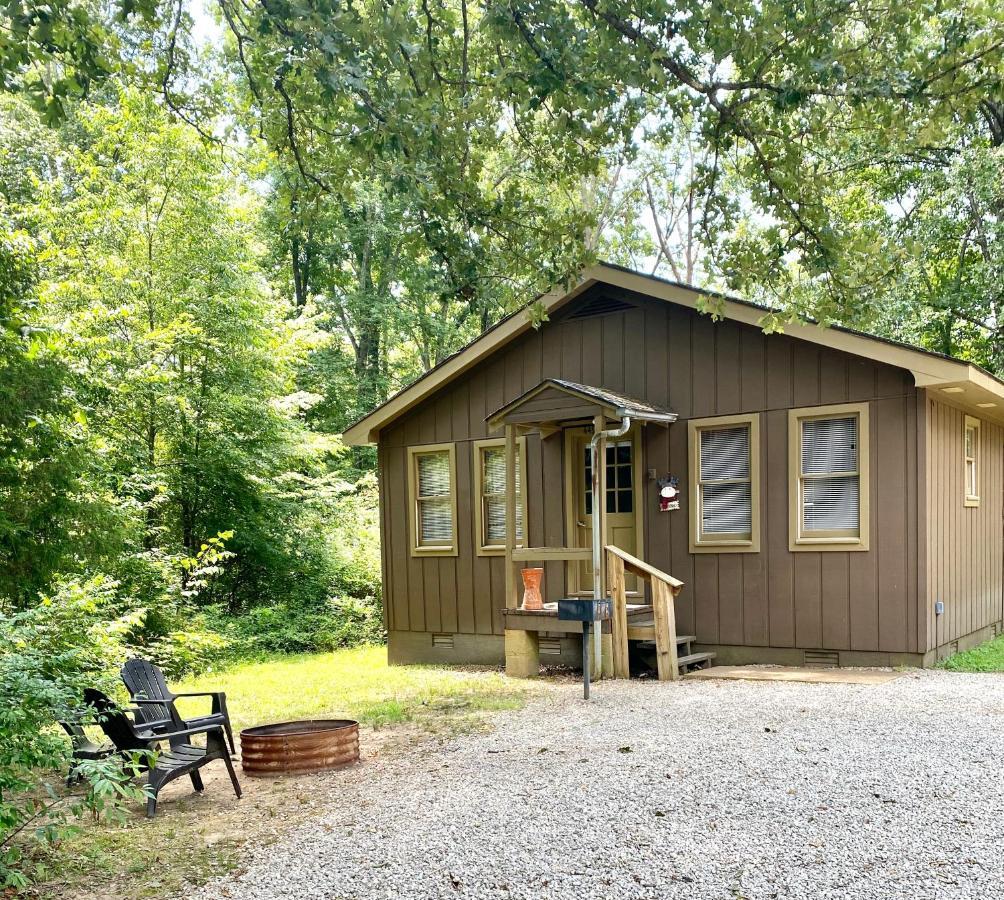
{"points": [[664, 590], [547, 554]]}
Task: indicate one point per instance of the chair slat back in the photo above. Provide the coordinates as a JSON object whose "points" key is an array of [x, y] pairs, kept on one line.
{"points": [[114, 722], [143, 679]]}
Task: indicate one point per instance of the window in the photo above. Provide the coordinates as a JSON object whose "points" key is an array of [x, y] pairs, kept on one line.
{"points": [[432, 480], [828, 462], [972, 457], [725, 484], [489, 489]]}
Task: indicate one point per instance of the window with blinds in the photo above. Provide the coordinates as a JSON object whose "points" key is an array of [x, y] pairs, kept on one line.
{"points": [[432, 485], [971, 449], [724, 475], [490, 490], [830, 488], [829, 457]]}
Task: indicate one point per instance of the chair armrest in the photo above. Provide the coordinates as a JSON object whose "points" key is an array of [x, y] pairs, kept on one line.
{"points": [[202, 694], [219, 699], [184, 732]]}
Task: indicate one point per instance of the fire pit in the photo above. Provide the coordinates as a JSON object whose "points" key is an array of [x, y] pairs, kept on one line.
{"points": [[290, 748]]}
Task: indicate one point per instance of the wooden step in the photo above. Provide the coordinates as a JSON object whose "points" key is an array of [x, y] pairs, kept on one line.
{"points": [[694, 659], [645, 631]]}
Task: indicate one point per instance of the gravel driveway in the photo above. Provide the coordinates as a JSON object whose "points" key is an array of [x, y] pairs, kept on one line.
{"points": [[701, 789]]}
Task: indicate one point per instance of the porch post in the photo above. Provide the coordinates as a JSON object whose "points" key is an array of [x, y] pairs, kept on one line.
{"points": [[522, 648], [511, 589], [599, 537]]}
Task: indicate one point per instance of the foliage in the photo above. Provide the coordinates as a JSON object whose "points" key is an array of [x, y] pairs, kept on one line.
{"points": [[307, 616], [154, 469], [988, 657], [288, 627], [152, 288], [948, 220], [49, 512], [48, 654]]}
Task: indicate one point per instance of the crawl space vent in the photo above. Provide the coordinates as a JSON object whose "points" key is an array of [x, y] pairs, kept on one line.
{"points": [[549, 647], [600, 306], [443, 641], [821, 659]]}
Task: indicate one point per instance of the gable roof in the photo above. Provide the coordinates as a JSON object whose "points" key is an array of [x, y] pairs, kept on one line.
{"points": [[964, 383], [608, 401]]}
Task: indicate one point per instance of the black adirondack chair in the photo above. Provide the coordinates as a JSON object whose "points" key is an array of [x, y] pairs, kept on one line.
{"points": [[146, 681], [183, 758], [83, 749]]}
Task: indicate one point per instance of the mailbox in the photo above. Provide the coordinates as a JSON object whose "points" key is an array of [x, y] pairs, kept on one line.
{"points": [[584, 610]]}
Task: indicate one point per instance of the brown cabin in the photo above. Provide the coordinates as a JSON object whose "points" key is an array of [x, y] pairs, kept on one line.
{"points": [[839, 496]]}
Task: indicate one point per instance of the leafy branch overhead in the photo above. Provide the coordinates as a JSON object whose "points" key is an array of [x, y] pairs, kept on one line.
{"points": [[468, 108]]}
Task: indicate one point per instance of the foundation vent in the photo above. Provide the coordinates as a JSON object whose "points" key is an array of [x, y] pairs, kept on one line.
{"points": [[600, 306], [443, 641], [550, 646], [821, 659]]}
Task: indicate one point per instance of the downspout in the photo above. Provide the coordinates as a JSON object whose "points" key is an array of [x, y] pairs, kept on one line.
{"points": [[599, 515]]}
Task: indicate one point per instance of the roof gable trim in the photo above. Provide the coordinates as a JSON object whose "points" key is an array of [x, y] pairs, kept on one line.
{"points": [[600, 398], [928, 369]]}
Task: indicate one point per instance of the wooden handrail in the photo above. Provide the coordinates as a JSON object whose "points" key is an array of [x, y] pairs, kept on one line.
{"points": [[543, 554], [641, 568], [664, 590]]}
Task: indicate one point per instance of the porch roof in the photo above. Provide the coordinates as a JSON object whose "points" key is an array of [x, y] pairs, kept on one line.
{"points": [[557, 400]]}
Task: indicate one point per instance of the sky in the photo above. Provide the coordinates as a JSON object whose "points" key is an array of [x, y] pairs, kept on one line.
{"points": [[205, 30]]}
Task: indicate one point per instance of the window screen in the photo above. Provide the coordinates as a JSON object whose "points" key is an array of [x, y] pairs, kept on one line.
{"points": [[829, 479], [434, 499], [493, 496], [726, 504]]}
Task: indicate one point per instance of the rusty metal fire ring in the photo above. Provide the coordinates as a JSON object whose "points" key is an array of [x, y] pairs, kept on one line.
{"points": [[295, 748]]}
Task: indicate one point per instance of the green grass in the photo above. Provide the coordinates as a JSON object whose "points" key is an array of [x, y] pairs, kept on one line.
{"points": [[192, 840], [988, 657], [355, 684]]}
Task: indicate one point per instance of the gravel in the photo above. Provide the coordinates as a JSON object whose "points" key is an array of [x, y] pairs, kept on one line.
{"points": [[700, 789]]}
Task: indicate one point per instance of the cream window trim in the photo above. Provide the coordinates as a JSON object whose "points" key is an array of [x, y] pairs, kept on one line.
{"points": [[478, 448], [699, 542], [418, 547], [971, 461], [836, 540]]}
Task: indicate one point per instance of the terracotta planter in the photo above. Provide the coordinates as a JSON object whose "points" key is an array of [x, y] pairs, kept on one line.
{"points": [[531, 589]]}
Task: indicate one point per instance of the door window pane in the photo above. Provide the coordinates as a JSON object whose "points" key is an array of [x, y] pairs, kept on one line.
{"points": [[620, 478]]}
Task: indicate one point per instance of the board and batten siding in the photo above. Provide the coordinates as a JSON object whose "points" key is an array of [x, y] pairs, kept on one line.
{"points": [[674, 357], [965, 544]]}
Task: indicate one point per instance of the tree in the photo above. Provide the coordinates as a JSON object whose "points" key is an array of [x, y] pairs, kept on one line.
{"points": [[182, 351], [51, 513], [429, 90]]}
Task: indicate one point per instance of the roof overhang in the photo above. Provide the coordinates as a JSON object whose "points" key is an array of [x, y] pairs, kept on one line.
{"points": [[537, 406], [956, 381]]}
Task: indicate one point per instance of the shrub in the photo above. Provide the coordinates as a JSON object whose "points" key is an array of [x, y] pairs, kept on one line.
{"points": [[304, 628], [48, 654]]}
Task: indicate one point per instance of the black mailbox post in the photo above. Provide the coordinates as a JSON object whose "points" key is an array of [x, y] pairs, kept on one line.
{"points": [[585, 611]]}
